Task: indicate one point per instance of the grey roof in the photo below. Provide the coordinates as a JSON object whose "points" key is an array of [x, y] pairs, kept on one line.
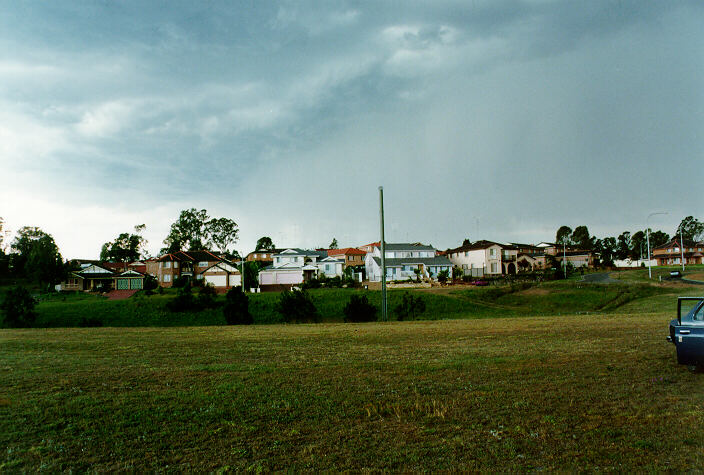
{"points": [[427, 261], [302, 252], [405, 246]]}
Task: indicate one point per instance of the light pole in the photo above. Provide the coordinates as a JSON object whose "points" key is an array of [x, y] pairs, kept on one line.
{"points": [[682, 241], [647, 230]]}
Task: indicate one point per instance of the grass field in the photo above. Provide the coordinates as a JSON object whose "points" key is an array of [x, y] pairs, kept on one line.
{"points": [[581, 392]]}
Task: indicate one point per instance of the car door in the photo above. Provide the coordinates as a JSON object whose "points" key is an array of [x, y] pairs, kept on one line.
{"points": [[689, 337]]}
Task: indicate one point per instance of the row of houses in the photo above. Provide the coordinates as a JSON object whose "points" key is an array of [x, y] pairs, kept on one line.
{"points": [[288, 267]]}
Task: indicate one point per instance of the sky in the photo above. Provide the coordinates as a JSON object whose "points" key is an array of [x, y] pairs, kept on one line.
{"points": [[482, 119]]}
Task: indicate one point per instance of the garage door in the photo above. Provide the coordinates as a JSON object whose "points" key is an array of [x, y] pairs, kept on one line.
{"points": [[217, 280], [235, 280]]}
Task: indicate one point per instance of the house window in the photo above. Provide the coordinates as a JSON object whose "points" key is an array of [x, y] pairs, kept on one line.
{"points": [[203, 264], [492, 252], [199, 277], [494, 267], [167, 278], [166, 265], [175, 265]]}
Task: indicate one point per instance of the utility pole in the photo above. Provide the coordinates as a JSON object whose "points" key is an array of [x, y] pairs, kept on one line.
{"points": [[682, 241], [382, 244]]}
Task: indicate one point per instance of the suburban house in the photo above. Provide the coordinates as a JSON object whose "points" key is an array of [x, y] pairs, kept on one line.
{"points": [[485, 258], [197, 265], [529, 256], [95, 277], [266, 256], [405, 261], [350, 255], [670, 253], [292, 267]]}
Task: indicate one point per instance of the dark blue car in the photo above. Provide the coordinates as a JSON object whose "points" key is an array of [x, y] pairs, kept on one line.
{"points": [[687, 332]]}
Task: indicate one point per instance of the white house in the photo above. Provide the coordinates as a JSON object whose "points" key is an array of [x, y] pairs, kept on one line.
{"points": [[403, 260], [294, 266], [485, 258]]}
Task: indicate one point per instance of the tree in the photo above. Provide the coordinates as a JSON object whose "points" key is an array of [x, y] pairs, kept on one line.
{"points": [[692, 229], [466, 242], [623, 245], [296, 306], [358, 309], [410, 307], [580, 238], [563, 235], [607, 249], [658, 238], [638, 245], [189, 232], [37, 255], [264, 243], [18, 308], [236, 309], [223, 233], [125, 248], [333, 244]]}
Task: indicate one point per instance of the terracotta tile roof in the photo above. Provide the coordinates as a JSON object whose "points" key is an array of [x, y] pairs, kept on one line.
{"points": [[346, 251]]}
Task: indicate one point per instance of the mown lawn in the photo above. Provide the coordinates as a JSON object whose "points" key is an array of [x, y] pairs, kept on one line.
{"points": [[581, 392]]}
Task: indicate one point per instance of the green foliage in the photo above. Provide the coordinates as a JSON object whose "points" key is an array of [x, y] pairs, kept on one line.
{"points": [[296, 306], [264, 243], [236, 308], [691, 229], [333, 244], [358, 309], [206, 297], [184, 301], [223, 233], [563, 235], [18, 308], [410, 308], [580, 238], [443, 275], [125, 248], [181, 281], [37, 256], [150, 282]]}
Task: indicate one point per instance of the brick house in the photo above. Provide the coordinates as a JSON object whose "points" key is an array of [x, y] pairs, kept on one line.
{"points": [[670, 253], [192, 264]]}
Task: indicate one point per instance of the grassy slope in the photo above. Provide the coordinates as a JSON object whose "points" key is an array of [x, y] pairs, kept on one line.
{"points": [[573, 392], [546, 299]]}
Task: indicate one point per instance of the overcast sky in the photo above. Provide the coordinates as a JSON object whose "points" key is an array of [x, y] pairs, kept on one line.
{"points": [[485, 119]]}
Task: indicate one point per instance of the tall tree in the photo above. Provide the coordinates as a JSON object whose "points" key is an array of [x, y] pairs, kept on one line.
{"points": [[608, 247], [580, 238], [333, 244], [223, 233], [125, 248], [264, 243], [563, 235], [189, 232], [44, 263], [22, 246], [639, 246], [623, 245], [658, 238], [692, 229]]}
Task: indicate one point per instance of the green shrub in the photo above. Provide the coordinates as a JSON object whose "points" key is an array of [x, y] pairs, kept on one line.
{"points": [[206, 297], [150, 282], [236, 309], [296, 306], [443, 276], [358, 309], [180, 282], [410, 307], [184, 301], [18, 308]]}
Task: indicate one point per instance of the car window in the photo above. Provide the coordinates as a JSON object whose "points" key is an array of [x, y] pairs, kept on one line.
{"points": [[699, 315]]}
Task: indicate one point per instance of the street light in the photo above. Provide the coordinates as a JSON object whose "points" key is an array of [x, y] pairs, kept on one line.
{"points": [[682, 240], [647, 230]]}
